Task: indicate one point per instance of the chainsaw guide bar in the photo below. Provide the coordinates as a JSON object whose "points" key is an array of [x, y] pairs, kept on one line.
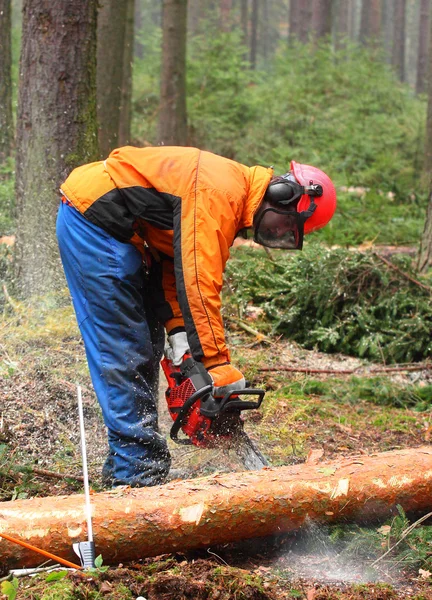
{"points": [[208, 421]]}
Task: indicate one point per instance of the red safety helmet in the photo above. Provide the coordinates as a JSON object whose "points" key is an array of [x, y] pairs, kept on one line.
{"points": [[296, 203], [326, 204]]}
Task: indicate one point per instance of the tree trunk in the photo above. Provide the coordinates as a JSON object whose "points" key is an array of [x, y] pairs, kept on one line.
{"points": [[225, 14], [195, 16], [322, 18], [130, 524], [56, 127], [425, 253], [423, 47], [244, 13], [305, 21], [254, 34], [370, 22], [172, 113], [6, 118], [294, 21], [124, 133], [266, 32], [343, 21], [110, 56], [343, 18], [398, 52], [387, 10], [138, 23]]}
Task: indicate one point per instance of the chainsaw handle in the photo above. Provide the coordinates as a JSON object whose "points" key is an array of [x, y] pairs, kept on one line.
{"points": [[182, 414], [231, 402]]}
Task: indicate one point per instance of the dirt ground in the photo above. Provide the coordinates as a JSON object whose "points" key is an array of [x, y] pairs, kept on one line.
{"points": [[39, 432]]}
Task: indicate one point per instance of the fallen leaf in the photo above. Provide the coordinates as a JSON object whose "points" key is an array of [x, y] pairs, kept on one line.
{"points": [[105, 588], [384, 530], [311, 594], [327, 471], [424, 574]]}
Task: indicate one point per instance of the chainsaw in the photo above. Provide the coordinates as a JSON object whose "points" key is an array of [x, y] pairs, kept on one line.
{"points": [[208, 421]]}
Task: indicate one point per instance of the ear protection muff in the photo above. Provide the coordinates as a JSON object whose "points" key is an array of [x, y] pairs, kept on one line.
{"points": [[282, 192]]}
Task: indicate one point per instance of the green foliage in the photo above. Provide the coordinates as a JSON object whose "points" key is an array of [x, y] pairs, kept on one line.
{"points": [[342, 110], [379, 390], [219, 107], [99, 568], [7, 199], [146, 80], [374, 217], [336, 301], [10, 588], [56, 576], [409, 545]]}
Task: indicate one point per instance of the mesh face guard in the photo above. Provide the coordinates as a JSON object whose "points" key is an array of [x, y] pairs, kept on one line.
{"points": [[278, 224]]}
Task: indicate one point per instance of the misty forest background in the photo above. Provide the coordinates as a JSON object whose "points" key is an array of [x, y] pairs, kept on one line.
{"points": [[340, 84]]}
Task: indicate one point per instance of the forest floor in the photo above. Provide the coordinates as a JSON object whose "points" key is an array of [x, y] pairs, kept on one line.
{"points": [[42, 359]]}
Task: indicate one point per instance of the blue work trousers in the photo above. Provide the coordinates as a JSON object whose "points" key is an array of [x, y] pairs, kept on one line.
{"points": [[123, 344]]}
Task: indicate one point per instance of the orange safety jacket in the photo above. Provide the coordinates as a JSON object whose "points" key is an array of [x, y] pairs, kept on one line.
{"points": [[187, 206]]}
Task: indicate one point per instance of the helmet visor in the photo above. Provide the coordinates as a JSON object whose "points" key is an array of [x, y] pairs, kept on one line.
{"points": [[279, 229]]}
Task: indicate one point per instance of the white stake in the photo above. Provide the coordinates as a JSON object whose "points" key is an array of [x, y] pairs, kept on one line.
{"points": [[85, 550], [84, 464]]}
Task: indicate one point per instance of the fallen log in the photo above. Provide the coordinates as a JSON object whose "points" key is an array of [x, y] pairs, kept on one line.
{"points": [[130, 523]]}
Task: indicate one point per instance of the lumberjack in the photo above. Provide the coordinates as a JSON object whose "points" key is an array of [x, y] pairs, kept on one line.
{"points": [[144, 237]]}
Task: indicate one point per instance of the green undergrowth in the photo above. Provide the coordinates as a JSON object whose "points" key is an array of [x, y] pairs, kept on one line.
{"points": [[354, 415], [377, 390], [7, 199], [409, 543], [334, 301], [167, 578], [367, 216], [41, 334]]}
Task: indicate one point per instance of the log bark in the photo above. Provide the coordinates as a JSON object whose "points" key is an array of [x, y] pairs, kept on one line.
{"points": [[130, 523]]}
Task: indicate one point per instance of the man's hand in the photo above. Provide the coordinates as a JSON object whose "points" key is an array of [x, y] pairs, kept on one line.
{"points": [[226, 378], [177, 347]]}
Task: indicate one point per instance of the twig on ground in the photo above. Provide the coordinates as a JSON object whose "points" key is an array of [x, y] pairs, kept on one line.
{"points": [[9, 300], [399, 369], [404, 534], [403, 274], [261, 337], [45, 473], [217, 556]]}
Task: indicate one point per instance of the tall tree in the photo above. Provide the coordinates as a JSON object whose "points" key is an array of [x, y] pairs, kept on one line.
{"points": [[305, 20], [172, 113], [322, 18], [225, 14], [398, 51], [56, 126], [423, 40], [6, 118], [293, 20], [425, 252], [254, 33], [124, 133], [110, 61], [370, 22], [244, 23], [387, 13], [342, 17], [138, 23]]}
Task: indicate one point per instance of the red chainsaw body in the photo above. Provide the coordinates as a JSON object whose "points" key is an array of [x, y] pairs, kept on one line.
{"points": [[207, 421], [196, 427]]}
